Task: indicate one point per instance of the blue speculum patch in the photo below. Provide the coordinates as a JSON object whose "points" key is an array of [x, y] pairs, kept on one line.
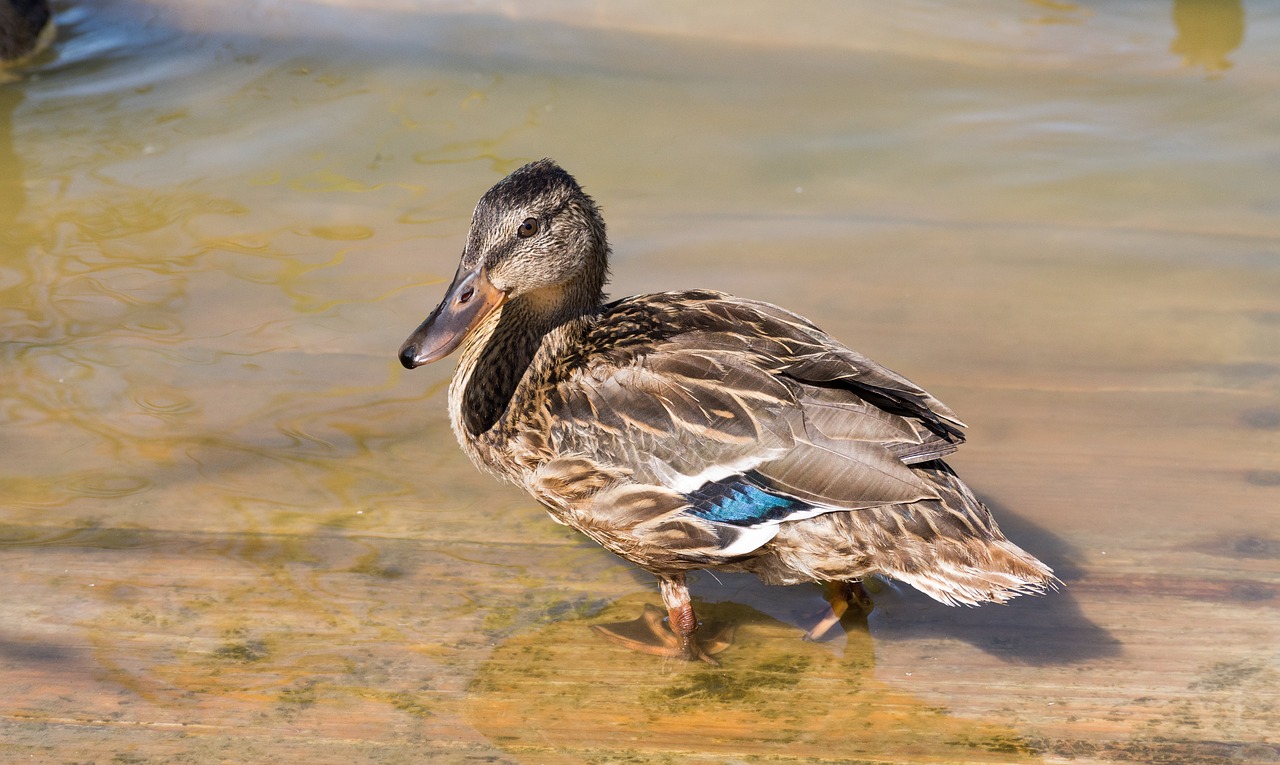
{"points": [[741, 501]]}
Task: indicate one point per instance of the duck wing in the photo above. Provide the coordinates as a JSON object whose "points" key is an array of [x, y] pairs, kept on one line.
{"points": [[692, 425]]}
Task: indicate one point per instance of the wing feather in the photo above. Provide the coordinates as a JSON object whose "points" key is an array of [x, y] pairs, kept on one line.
{"points": [[844, 475], [725, 389]]}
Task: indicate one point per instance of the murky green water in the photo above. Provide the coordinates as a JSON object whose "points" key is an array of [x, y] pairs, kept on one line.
{"points": [[233, 528]]}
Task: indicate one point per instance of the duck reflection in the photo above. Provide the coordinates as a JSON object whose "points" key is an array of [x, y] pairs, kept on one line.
{"points": [[1208, 30], [24, 28], [12, 194], [556, 691]]}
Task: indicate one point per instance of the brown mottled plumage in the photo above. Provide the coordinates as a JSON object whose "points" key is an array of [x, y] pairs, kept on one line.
{"points": [[689, 430]]}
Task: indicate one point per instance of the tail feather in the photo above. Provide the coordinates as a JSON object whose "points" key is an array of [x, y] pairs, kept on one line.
{"points": [[1000, 573], [949, 548], [961, 556]]}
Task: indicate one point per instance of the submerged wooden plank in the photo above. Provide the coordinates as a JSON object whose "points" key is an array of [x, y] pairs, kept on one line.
{"points": [[274, 646]]}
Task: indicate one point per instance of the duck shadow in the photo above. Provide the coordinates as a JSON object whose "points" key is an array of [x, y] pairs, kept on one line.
{"points": [[1045, 630]]}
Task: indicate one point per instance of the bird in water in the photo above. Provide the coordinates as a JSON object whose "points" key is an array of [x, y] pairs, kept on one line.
{"points": [[696, 430], [24, 28]]}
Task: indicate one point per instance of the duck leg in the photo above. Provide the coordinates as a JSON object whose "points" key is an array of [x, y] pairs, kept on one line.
{"points": [[681, 619], [675, 638], [840, 595]]}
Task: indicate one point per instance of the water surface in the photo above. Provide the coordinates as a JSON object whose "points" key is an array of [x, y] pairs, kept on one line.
{"points": [[234, 528]]}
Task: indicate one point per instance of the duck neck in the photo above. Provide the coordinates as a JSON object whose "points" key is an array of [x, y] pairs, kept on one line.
{"points": [[498, 355]]}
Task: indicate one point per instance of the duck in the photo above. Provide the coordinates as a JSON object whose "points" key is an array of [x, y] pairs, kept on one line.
{"points": [[25, 26], [693, 430]]}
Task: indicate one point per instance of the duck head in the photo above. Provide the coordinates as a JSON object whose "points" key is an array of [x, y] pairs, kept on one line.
{"points": [[537, 245]]}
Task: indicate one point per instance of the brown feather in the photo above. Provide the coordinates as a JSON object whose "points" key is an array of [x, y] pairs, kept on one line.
{"points": [[614, 415]]}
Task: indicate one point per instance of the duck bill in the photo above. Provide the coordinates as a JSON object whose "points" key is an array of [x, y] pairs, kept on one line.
{"points": [[468, 301]]}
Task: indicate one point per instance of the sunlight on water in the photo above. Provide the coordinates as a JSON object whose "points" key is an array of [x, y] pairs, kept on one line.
{"points": [[235, 527]]}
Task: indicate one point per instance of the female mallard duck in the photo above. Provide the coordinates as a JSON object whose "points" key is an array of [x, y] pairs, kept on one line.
{"points": [[690, 430], [23, 27]]}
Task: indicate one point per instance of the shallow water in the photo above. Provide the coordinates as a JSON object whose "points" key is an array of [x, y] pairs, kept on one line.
{"points": [[234, 529]]}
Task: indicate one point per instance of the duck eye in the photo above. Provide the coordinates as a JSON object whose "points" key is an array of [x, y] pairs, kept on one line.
{"points": [[528, 228]]}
